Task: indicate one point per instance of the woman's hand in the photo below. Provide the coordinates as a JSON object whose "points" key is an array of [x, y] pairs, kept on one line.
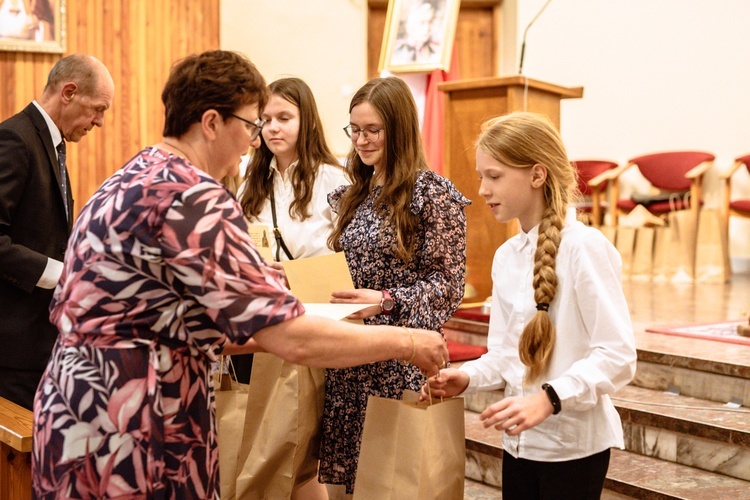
{"points": [[448, 383], [517, 414], [429, 350], [359, 296]]}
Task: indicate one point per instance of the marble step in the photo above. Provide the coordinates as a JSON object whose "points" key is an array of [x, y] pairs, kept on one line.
{"points": [[690, 375], [681, 429], [630, 475], [476, 490], [686, 430]]}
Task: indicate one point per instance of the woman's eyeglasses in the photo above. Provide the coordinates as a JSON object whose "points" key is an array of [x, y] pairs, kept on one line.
{"points": [[257, 125], [370, 134]]}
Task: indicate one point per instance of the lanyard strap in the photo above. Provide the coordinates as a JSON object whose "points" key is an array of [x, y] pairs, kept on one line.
{"points": [[280, 245]]}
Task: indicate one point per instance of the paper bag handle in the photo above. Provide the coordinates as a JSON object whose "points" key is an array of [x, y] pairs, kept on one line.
{"points": [[230, 366]]}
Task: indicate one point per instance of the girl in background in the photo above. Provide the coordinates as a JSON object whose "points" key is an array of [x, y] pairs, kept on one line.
{"points": [[560, 338], [286, 186], [403, 229]]}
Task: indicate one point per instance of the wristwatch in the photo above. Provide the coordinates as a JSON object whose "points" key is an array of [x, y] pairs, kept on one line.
{"points": [[386, 303], [553, 398]]}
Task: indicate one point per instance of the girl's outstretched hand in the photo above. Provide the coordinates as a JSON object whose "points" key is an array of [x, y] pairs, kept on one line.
{"points": [[359, 296], [447, 383], [517, 414]]}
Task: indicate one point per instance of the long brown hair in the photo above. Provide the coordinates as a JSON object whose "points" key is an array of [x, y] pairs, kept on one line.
{"points": [[312, 151], [403, 159], [522, 140]]}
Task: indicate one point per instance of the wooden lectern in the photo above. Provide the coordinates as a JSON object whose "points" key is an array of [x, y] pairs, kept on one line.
{"points": [[468, 104]]}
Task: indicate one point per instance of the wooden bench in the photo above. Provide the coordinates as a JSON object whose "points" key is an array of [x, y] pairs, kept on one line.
{"points": [[16, 426]]}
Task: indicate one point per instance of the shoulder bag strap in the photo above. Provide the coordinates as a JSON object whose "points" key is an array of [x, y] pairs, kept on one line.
{"points": [[280, 245]]}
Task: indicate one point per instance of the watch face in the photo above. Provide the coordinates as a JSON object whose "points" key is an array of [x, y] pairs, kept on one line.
{"points": [[387, 304]]}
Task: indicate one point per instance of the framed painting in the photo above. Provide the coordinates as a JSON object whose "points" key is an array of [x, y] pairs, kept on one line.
{"points": [[32, 25], [418, 35]]}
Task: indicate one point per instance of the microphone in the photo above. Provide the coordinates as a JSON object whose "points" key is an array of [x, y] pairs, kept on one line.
{"points": [[523, 43]]}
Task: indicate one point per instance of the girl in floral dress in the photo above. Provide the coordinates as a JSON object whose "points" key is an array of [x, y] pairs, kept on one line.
{"points": [[403, 230]]}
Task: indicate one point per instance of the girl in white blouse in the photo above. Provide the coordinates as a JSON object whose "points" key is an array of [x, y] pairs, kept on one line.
{"points": [[560, 337], [291, 174]]}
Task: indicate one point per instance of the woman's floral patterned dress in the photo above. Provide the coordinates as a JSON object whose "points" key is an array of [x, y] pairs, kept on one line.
{"points": [[159, 273], [427, 291]]}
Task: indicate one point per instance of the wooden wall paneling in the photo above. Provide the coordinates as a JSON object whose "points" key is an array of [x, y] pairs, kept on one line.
{"points": [[138, 41], [475, 36], [376, 16], [112, 10]]}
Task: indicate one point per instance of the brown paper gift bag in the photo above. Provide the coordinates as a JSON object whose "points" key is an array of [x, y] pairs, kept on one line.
{"points": [[712, 253], [282, 428], [231, 403], [679, 266], [662, 238], [609, 232], [412, 450], [625, 244], [643, 254]]}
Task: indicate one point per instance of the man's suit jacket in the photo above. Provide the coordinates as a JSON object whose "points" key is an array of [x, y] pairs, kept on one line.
{"points": [[33, 226]]}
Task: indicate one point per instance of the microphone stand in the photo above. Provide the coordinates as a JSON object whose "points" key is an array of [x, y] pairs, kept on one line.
{"points": [[523, 43]]}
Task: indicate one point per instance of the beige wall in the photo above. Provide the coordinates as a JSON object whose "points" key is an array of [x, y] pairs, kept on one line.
{"points": [[320, 41], [657, 75]]}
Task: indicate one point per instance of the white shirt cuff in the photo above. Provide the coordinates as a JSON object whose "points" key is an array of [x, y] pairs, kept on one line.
{"points": [[51, 274]]}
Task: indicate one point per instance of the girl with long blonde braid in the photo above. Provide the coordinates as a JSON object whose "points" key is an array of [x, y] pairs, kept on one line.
{"points": [[560, 337]]}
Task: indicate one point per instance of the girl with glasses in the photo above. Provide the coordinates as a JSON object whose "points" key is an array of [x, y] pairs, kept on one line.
{"points": [[403, 230]]}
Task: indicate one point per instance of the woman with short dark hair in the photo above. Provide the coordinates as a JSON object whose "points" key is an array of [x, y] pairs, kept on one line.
{"points": [[160, 276]]}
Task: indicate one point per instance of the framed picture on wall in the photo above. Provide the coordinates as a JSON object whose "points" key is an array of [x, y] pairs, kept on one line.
{"points": [[32, 25], [418, 35]]}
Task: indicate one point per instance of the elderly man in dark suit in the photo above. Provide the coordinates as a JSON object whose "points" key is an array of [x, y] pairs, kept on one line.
{"points": [[36, 213]]}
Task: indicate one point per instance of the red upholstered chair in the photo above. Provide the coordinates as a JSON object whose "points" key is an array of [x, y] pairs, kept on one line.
{"points": [[592, 184], [676, 178], [738, 207]]}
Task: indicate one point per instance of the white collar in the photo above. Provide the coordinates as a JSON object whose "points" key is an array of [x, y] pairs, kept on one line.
{"points": [[54, 132]]}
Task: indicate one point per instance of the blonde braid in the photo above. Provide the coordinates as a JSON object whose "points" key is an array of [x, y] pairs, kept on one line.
{"points": [[523, 140], [538, 338]]}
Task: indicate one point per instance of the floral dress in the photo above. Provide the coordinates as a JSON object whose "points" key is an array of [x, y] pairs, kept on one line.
{"points": [[427, 291], [160, 272]]}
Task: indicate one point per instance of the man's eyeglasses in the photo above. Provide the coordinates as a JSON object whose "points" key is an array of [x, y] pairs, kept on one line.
{"points": [[257, 125], [370, 134]]}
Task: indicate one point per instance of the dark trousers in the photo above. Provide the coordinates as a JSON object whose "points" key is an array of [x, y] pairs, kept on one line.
{"points": [[19, 386], [581, 479]]}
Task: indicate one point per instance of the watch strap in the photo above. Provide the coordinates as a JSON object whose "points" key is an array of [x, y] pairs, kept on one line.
{"points": [[554, 399]]}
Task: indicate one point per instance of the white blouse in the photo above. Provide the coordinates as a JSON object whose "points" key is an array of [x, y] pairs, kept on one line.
{"points": [[594, 353], [309, 237]]}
